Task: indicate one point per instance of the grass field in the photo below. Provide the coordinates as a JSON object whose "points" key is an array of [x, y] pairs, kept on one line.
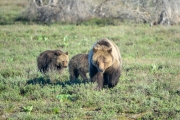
{"points": [[149, 87]]}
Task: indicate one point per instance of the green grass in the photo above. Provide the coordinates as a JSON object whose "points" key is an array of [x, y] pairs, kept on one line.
{"points": [[149, 87]]}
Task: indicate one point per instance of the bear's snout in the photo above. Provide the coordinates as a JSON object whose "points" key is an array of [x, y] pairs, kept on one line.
{"points": [[101, 70], [65, 64]]}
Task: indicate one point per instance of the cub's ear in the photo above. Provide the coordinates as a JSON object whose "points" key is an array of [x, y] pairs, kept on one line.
{"points": [[109, 50], [95, 49], [66, 53], [57, 53]]}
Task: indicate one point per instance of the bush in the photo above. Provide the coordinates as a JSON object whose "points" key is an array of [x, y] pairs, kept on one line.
{"points": [[9, 73]]}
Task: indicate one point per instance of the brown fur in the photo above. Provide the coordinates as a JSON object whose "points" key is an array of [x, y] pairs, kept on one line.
{"points": [[78, 65], [52, 60], [105, 63]]}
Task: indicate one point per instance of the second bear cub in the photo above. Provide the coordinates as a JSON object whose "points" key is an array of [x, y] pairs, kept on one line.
{"points": [[78, 65]]}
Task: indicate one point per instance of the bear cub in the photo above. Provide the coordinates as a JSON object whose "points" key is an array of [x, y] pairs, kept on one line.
{"points": [[52, 60], [78, 65]]}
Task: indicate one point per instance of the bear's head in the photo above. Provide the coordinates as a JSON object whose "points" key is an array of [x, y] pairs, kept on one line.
{"points": [[102, 58], [62, 59]]}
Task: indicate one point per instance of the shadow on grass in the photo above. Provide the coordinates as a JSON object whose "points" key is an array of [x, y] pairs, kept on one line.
{"points": [[46, 81]]}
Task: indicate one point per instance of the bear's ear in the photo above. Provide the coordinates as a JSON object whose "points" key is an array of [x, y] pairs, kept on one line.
{"points": [[57, 53], [109, 50], [66, 53], [95, 49]]}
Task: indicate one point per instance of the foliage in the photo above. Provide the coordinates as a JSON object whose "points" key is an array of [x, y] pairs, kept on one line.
{"points": [[65, 97], [28, 109]]}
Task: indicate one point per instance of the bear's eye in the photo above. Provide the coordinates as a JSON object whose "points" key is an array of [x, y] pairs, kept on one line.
{"points": [[97, 62]]}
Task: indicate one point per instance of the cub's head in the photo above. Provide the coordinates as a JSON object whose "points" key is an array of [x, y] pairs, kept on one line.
{"points": [[102, 58], [62, 59]]}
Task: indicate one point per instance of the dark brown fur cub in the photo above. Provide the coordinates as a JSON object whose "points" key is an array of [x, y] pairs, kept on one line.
{"points": [[104, 63], [52, 60], [78, 65]]}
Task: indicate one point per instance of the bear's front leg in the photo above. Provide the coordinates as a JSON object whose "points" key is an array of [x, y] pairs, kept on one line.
{"points": [[114, 78], [92, 73], [100, 80], [83, 74], [96, 76]]}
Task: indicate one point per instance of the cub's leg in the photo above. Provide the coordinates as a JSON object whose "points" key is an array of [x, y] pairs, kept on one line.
{"points": [[74, 74], [82, 74]]}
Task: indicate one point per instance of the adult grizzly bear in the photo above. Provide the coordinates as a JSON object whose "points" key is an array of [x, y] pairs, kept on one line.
{"points": [[52, 60], [78, 65], [104, 63]]}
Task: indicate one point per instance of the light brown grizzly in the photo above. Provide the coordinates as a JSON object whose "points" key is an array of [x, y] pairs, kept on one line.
{"points": [[52, 60], [104, 63], [78, 65]]}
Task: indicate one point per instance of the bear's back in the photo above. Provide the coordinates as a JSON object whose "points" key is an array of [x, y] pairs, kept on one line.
{"points": [[47, 57], [79, 60]]}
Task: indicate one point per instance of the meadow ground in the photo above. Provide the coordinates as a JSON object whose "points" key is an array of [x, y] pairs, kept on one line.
{"points": [[149, 87]]}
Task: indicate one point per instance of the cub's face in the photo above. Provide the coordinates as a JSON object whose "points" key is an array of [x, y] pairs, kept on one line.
{"points": [[102, 59], [62, 60]]}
